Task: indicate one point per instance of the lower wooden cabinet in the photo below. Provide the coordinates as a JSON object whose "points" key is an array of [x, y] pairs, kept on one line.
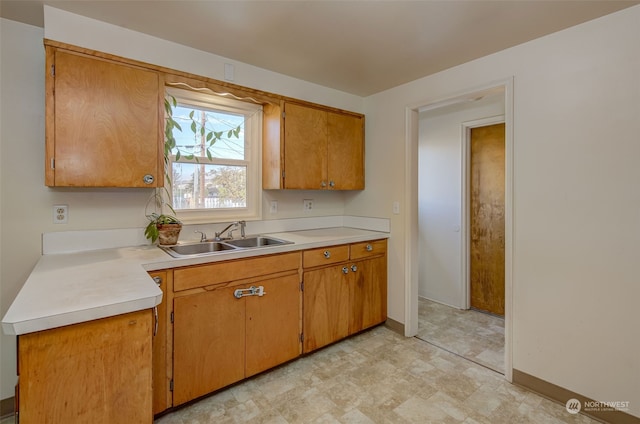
{"points": [[229, 331], [208, 343], [95, 372], [326, 307], [234, 319], [343, 299], [368, 293]]}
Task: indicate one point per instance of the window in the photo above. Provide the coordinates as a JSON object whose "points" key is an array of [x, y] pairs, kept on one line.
{"points": [[215, 163]]}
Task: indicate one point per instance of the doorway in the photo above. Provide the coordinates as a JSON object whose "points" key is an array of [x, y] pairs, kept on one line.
{"points": [[412, 229]]}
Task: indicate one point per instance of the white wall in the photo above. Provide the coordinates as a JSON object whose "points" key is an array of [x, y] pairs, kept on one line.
{"points": [[576, 198], [26, 204], [440, 216]]}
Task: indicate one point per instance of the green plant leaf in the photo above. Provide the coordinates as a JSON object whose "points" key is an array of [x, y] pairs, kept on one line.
{"points": [[218, 134], [209, 136], [189, 156], [191, 114], [193, 127], [178, 155], [209, 154], [202, 130]]}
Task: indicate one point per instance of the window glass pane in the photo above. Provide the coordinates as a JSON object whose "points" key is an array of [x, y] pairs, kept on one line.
{"points": [[189, 141], [197, 186]]}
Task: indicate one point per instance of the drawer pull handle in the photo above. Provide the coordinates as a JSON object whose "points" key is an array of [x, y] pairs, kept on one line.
{"points": [[251, 291], [354, 268], [327, 254], [369, 248], [345, 270]]}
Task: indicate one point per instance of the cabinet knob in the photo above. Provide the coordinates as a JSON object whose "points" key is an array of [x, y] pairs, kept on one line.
{"points": [[369, 248], [345, 270], [327, 254], [332, 184], [158, 280], [148, 179], [354, 268], [323, 184]]}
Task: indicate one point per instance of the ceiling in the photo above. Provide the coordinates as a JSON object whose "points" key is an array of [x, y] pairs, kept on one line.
{"points": [[360, 47]]}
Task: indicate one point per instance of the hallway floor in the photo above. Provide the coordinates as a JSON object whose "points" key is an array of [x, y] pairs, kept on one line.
{"points": [[376, 377], [474, 335]]}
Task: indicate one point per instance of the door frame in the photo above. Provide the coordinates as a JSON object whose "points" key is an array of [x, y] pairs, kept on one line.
{"points": [[465, 202], [411, 205]]}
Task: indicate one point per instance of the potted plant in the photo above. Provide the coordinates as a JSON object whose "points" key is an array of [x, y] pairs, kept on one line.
{"points": [[164, 228]]}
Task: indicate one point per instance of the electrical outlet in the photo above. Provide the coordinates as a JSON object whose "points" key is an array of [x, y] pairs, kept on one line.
{"points": [[307, 205], [60, 214], [273, 206]]}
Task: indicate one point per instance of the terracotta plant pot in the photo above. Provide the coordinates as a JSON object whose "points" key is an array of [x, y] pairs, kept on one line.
{"points": [[168, 234]]}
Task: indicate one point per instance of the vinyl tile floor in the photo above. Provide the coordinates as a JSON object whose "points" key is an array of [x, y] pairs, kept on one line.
{"points": [[376, 377], [474, 335]]}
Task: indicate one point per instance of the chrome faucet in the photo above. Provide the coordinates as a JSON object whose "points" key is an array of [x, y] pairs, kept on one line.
{"points": [[241, 224], [203, 235]]}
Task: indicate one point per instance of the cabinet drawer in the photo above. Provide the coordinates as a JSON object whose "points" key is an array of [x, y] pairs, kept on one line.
{"points": [[325, 256], [368, 248], [222, 272]]}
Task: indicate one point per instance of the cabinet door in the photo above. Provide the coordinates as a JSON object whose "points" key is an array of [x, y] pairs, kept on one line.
{"points": [[106, 124], [326, 307], [208, 343], [93, 372], [345, 151], [305, 147], [368, 293], [273, 324], [160, 377]]}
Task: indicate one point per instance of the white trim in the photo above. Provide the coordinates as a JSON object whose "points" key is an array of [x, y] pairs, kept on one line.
{"points": [[465, 232], [411, 223], [411, 188]]}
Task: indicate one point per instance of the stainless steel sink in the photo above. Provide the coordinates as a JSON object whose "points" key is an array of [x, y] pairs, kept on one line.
{"points": [[258, 241], [202, 248], [209, 247]]}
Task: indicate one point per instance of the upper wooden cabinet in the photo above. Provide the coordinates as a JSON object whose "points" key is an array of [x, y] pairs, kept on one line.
{"points": [[103, 122], [311, 148]]}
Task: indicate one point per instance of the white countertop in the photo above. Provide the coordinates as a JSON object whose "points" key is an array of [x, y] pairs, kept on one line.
{"points": [[70, 288]]}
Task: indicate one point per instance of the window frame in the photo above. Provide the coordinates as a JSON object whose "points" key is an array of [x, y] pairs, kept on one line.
{"points": [[253, 156]]}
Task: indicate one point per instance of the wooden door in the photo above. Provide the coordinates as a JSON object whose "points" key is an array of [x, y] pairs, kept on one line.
{"points": [[487, 226], [305, 147], [368, 294], [161, 393], [326, 307], [208, 343], [93, 372], [107, 124], [273, 324], [345, 152]]}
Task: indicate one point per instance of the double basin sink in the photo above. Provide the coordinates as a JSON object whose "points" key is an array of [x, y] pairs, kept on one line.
{"points": [[209, 247]]}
